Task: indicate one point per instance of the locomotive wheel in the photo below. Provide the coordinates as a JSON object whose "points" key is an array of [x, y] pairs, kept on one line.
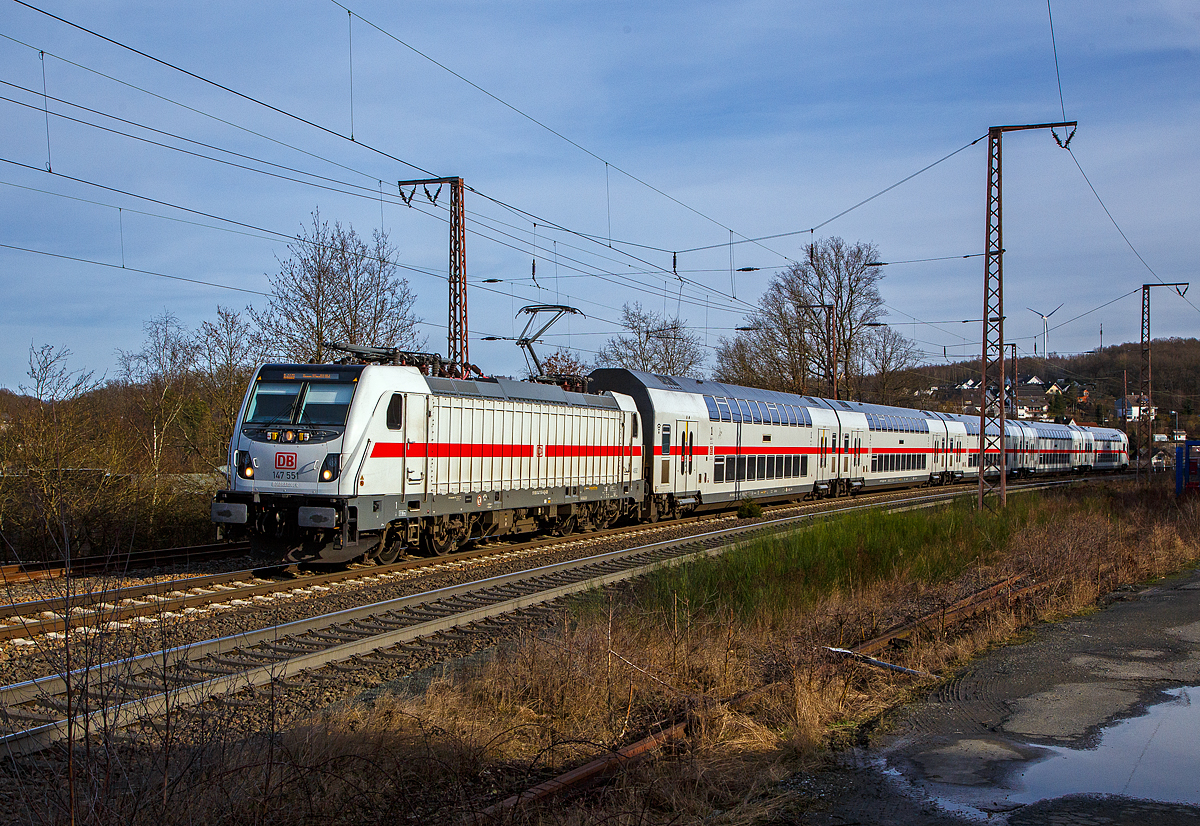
{"points": [[388, 553], [438, 539]]}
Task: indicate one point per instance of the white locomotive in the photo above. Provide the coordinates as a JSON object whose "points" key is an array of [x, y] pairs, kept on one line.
{"points": [[332, 462]]}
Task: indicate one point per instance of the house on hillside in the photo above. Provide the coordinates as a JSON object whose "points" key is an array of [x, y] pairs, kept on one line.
{"points": [[1029, 401], [1130, 407]]}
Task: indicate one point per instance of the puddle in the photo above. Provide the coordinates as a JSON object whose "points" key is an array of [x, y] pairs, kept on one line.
{"points": [[1152, 757]]}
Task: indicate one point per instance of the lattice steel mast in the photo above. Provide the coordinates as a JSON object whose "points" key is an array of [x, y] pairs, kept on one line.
{"points": [[991, 415], [456, 336], [1144, 425]]}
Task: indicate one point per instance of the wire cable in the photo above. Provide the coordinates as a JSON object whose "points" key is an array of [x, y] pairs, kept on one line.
{"points": [[132, 269], [846, 211]]}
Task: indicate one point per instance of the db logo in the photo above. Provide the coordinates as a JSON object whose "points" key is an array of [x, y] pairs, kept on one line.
{"points": [[285, 461]]}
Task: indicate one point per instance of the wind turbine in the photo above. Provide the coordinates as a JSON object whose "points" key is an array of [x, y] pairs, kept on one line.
{"points": [[1045, 327]]}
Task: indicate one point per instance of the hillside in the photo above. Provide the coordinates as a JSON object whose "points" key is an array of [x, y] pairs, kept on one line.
{"points": [[1105, 373]]}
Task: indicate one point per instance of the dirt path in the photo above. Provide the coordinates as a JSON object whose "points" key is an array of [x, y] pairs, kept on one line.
{"points": [[1091, 715]]}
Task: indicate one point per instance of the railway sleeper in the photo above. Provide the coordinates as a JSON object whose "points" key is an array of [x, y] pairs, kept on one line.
{"points": [[292, 649], [143, 686], [215, 671], [378, 626], [28, 715], [428, 614], [268, 654], [338, 635], [237, 665]]}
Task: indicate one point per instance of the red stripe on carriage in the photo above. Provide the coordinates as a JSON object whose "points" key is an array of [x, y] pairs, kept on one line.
{"points": [[444, 450]]}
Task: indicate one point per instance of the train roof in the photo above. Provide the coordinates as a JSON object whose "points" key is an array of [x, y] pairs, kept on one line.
{"points": [[513, 390], [620, 378]]}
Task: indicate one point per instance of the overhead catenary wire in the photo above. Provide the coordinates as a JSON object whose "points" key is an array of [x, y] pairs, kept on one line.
{"points": [[846, 211], [257, 101], [537, 122]]}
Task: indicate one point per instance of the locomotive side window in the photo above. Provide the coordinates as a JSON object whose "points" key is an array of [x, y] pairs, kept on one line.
{"points": [[395, 412], [666, 440]]}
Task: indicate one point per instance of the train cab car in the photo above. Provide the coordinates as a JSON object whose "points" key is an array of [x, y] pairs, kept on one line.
{"points": [[1111, 450], [331, 462]]}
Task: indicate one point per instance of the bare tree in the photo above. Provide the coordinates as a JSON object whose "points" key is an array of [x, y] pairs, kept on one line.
{"points": [[888, 356], [336, 287], [156, 378], [655, 344], [775, 351], [562, 362], [227, 351], [789, 341]]}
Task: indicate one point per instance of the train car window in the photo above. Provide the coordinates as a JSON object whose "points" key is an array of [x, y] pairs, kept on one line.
{"points": [[755, 413], [723, 406], [719, 469], [762, 467], [745, 408], [786, 411], [741, 468], [775, 417], [714, 415], [691, 449], [730, 468], [666, 440], [874, 463], [804, 465], [395, 412], [636, 417]]}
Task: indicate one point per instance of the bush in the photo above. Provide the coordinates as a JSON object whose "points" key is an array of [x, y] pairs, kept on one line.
{"points": [[749, 509]]}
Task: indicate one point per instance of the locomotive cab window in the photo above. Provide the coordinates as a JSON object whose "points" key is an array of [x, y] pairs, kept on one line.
{"points": [[300, 402]]}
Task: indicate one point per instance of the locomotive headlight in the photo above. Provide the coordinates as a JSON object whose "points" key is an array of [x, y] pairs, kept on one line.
{"points": [[331, 467], [245, 465], [289, 435]]}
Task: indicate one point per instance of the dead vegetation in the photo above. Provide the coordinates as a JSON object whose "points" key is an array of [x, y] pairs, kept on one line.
{"points": [[735, 649]]}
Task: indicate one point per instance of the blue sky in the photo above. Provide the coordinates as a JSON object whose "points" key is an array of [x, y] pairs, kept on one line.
{"points": [[758, 117]]}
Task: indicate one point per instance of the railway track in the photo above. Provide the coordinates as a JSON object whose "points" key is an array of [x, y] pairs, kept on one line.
{"points": [[18, 573], [34, 714], [111, 606]]}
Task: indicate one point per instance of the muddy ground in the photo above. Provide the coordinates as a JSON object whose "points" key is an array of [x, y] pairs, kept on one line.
{"points": [[972, 750]]}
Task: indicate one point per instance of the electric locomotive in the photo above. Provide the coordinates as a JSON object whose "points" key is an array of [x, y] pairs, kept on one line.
{"points": [[332, 462]]}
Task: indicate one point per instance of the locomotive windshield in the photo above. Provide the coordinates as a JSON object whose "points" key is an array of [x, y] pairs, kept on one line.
{"points": [[300, 402]]}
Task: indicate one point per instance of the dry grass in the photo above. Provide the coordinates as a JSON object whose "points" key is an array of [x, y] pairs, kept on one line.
{"points": [[677, 646]]}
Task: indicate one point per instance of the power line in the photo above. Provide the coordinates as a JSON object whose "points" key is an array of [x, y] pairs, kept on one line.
{"points": [[846, 211], [284, 112], [535, 121], [1124, 237], [133, 269]]}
